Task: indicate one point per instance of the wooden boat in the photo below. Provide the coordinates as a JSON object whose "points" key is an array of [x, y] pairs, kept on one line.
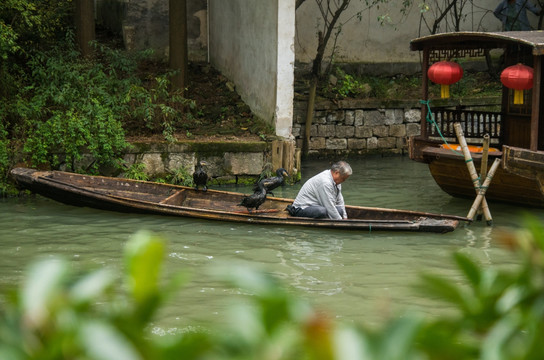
{"points": [[147, 197], [516, 130]]}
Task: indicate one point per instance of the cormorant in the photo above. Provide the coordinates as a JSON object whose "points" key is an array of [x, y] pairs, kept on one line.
{"points": [[254, 200], [200, 178], [271, 183]]}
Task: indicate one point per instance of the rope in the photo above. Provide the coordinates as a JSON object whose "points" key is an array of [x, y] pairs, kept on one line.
{"points": [[430, 120]]}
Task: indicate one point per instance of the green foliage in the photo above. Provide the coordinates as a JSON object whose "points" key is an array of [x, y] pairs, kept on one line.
{"points": [[266, 172], [380, 87], [70, 108], [73, 106], [137, 172], [180, 176], [474, 84], [56, 315], [159, 108], [8, 40], [28, 24], [4, 157], [261, 127], [348, 85], [61, 107]]}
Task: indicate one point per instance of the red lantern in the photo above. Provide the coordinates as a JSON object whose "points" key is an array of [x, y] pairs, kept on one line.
{"points": [[518, 77], [445, 73]]}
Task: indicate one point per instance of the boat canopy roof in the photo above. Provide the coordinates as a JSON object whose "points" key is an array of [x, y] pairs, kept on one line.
{"points": [[477, 40]]}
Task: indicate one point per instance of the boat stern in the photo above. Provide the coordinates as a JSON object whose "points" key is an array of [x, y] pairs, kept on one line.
{"points": [[436, 225], [23, 177]]}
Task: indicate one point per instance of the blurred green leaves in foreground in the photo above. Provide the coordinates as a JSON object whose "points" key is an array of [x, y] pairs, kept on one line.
{"points": [[56, 315]]}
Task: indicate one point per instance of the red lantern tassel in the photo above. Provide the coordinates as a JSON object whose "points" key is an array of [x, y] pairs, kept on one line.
{"points": [[445, 91], [518, 97]]}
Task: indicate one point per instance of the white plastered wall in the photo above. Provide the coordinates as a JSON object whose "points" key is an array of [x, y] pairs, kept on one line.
{"points": [[252, 43], [368, 41]]}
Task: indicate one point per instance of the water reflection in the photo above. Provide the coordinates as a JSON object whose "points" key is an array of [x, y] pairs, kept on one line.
{"points": [[358, 276], [311, 262]]}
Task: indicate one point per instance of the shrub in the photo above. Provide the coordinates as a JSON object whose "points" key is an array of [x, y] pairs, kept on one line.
{"points": [[348, 85], [66, 106], [4, 157], [137, 172], [180, 176], [71, 107], [157, 107]]}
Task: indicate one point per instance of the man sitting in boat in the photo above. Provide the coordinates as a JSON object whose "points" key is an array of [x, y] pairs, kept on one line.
{"points": [[321, 196]]}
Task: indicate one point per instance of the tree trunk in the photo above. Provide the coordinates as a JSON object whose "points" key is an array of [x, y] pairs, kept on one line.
{"points": [[316, 70], [442, 16], [178, 43], [309, 115], [322, 40], [84, 19]]}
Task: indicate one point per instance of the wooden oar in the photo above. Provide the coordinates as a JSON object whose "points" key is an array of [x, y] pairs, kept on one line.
{"points": [[472, 172], [483, 168]]}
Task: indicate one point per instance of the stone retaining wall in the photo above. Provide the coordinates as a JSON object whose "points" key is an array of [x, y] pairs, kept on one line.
{"points": [[227, 161], [357, 127]]}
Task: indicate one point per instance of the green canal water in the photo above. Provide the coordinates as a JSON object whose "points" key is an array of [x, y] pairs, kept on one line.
{"points": [[361, 277]]}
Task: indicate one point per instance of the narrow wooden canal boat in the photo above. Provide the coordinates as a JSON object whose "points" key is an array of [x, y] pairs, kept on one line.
{"points": [[148, 197], [516, 130]]}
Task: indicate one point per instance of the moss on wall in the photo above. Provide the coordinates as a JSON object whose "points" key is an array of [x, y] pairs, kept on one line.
{"points": [[219, 148], [215, 148]]}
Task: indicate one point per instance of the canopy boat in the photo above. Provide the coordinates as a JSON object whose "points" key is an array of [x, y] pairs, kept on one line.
{"points": [[127, 195], [515, 130]]}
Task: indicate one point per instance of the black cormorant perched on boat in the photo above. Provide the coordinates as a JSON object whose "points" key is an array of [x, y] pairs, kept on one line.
{"points": [[200, 178], [254, 200], [271, 183]]}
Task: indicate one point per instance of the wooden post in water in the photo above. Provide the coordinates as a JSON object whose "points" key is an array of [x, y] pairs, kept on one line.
{"points": [[277, 154], [483, 168], [483, 190], [472, 172], [288, 156]]}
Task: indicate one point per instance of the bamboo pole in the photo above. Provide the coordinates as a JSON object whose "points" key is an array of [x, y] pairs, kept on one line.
{"points": [[483, 167], [472, 171], [481, 195]]}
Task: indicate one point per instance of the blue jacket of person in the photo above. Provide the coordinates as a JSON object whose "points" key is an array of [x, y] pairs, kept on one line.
{"points": [[513, 14]]}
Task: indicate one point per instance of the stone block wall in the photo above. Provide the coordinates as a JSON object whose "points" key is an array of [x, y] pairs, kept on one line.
{"points": [[227, 161], [357, 127], [342, 128]]}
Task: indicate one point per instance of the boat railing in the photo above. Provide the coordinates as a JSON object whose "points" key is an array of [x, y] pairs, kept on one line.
{"points": [[475, 123]]}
